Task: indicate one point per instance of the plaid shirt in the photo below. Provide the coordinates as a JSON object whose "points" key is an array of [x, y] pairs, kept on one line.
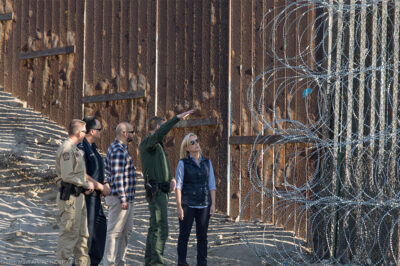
{"points": [[120, 172]]}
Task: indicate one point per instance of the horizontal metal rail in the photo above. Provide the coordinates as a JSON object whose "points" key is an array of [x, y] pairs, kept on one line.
{"points": [[211, 121], [114, 97], [6, 16], [47, 52]]}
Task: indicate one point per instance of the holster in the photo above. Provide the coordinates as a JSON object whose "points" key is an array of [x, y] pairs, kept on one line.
{"points": [[68, 189], [65, 191], [151, 190]]}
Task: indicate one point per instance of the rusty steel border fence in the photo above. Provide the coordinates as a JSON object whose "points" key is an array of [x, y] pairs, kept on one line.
{"points": [[130, 60]]}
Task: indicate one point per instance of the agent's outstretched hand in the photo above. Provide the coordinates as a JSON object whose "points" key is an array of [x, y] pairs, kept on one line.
{"points": [[185, 114]]}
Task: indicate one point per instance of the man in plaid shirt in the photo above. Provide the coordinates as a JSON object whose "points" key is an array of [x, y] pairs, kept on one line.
{"points": [[120, 176]]}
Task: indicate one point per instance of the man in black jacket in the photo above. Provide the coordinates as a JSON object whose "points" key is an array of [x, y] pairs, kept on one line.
{"points": [[97, 224]]}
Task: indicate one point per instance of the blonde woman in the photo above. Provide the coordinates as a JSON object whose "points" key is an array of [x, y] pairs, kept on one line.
{"points": [[195, 197]]}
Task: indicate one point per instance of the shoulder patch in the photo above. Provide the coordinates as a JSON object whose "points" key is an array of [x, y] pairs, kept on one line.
{"points": [[66, 156]]}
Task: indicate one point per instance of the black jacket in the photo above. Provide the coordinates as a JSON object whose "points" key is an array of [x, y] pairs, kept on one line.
{"points": [[93, 161]]}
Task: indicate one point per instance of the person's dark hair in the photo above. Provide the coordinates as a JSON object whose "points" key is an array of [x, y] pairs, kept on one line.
{"points": [[154, 122], [90, 122]]}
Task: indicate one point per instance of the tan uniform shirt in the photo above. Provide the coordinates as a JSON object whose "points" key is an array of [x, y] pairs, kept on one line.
{"points": [[70, 166]]}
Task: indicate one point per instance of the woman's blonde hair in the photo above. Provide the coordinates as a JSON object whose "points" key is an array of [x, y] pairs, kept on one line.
{"points": [[185, 143]]}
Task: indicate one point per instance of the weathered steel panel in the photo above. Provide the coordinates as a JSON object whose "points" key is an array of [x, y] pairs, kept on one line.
{"points": [[142, 37], [221, 72], [303, 162], [78, 31], [123, 67], [129, 46], [236, 85], [31, 47], [280, 109], [110, 114], [197, 61], [137, 107], [211, 69], [268, 154], [93, 73], [55, 62], [16, 47], [48, 81], [170, 40], [63, 82], [90, 38], [174, 90], [133, 41], [133, 63], [162, 90], [70, 64], [2, 35], [8, 47], [23, 76], [115, 47], [185, 72], [151, 65], [282, 93], [290, 92], [247, 52], [259, 53], [38, 62], [180, 56]]}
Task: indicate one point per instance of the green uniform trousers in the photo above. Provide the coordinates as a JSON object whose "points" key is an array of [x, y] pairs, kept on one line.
{"points": [[158, 230]]}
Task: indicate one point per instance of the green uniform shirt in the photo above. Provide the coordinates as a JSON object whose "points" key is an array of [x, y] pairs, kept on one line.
{"points": [[154, 159]]}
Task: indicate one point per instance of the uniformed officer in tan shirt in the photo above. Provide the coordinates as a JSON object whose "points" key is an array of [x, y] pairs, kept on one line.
{"points": [[71, 177]]}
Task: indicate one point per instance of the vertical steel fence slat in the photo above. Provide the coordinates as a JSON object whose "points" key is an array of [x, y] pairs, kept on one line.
{"points": [[383, 88], [337, 117]]}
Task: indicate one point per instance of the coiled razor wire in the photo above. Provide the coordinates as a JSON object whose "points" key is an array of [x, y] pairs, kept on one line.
{"points": [[331, 179]]}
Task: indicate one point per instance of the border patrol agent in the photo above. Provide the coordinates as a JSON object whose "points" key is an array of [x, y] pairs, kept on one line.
{"points": [[159, 182], [71, 177]]}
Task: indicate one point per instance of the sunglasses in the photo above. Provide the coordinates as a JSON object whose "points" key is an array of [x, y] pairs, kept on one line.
{"points": [[84, 131], [99, 129], [192, 142], [131, 131]]}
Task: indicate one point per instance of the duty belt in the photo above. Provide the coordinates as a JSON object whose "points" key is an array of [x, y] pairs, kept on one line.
{"points": [[74, 190], [163, 186]]}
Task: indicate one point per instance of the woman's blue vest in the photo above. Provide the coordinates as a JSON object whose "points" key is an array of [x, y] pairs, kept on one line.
{"points": [[195, 190]]}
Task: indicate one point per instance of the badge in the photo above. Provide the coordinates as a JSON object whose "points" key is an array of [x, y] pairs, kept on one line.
{"points": [[66, 156]]}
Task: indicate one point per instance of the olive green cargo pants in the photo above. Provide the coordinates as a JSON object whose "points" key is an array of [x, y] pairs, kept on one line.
{"points": [[158, 230]]}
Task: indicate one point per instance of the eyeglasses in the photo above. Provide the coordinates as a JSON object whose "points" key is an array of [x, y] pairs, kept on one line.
{"points": [[192, 142], [99, 129], [131, 132]]}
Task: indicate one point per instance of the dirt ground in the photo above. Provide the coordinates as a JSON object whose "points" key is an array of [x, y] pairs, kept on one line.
{"points": [[28, 214]]}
